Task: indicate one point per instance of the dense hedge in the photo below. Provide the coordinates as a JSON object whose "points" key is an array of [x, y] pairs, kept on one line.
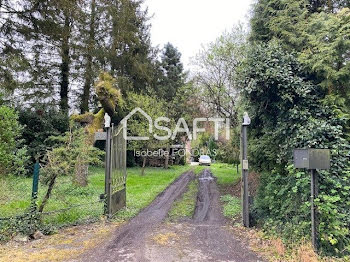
{"points": [[287, 112]]}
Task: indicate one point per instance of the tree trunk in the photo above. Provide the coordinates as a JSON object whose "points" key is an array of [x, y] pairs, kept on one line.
{"points": [[143, 166], [330, 6], [84, 107], [65, 65], [237, 165], [115, 34], [48, 193]]}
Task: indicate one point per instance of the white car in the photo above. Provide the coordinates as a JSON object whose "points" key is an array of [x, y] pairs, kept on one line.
{"points": [[204, 160]]}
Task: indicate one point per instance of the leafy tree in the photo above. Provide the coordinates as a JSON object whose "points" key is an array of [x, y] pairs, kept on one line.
{"points": [[229, 150], [139, 126], [216, 74], [212, 147], [129, 52], [279, 19], [90, 51], [39, 33], [172, 79], [53, 50]]}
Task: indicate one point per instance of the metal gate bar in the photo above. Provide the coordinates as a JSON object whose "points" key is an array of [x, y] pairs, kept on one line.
{"points": [[115, 181]]}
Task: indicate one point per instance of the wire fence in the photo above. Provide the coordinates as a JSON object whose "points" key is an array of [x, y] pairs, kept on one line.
{"points": [[93, 206], [69, 204]]}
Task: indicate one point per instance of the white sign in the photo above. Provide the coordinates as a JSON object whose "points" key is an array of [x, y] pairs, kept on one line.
{"points": [[107, 120], [245, 165]]}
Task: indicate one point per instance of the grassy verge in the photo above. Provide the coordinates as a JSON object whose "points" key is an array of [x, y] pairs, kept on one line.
{"points": [[185, 206], [15, 195], [231, 206]]}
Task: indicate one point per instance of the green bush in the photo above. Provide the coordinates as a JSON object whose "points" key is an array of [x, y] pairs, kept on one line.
{"points": [[13, 155], [287, 112]]}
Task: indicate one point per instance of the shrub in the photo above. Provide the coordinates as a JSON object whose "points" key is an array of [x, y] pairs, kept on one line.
{"points": [[13, 155]]}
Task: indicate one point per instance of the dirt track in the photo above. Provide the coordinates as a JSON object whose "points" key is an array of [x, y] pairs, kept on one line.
{"points": [[205, 238], [128, 243]]}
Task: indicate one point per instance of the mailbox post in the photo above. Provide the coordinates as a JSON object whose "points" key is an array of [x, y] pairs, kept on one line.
{"points": [[312, 159], [245, 188]]}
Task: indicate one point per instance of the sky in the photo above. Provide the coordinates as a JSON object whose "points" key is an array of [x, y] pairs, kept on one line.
{"points": [[188, 24]]}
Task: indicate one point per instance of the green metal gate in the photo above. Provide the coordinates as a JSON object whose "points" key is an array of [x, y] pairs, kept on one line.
{"points": [[115, 185]]}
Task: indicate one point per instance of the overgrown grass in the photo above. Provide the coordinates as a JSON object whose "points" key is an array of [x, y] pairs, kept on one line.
{"points": [[185, 206], [232, 206], [15, 195]]}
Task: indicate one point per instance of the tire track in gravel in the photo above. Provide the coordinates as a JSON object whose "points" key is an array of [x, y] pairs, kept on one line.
{"points": [[128, 244]]}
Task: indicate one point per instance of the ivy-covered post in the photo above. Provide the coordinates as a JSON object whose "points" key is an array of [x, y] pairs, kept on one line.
{"points": [[245, 172]]}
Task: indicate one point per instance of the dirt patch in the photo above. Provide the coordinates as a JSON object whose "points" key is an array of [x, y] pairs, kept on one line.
{"points": [[68, 243], [274, 249], [206, 238], [164, 239]]}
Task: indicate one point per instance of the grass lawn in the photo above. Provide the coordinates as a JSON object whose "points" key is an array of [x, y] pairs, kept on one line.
{"points": [[15, 195]]}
